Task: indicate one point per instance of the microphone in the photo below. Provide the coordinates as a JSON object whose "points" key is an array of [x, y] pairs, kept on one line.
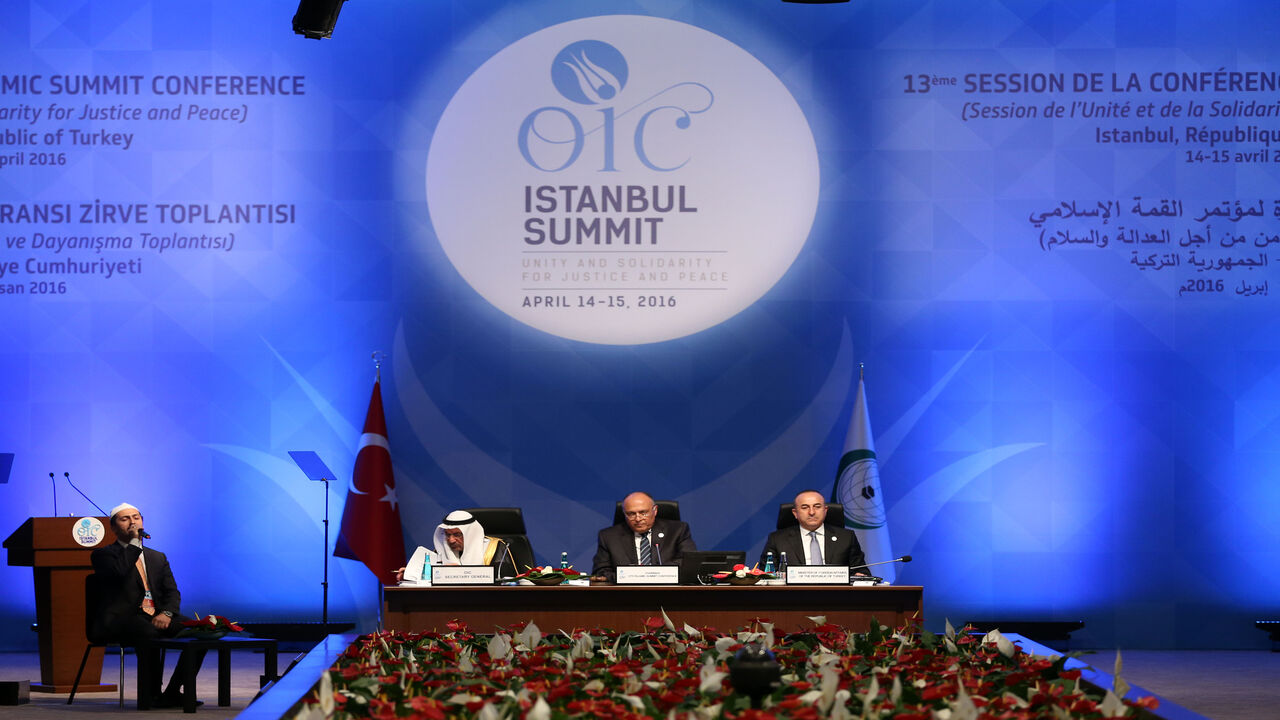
{"points": [[904, 559], [657, 554], [54, 482], [507, 546], [144, 534], [67, 475]]}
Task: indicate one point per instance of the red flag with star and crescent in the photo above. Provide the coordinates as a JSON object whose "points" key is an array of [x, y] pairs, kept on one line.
{"points": [[370, 530]]}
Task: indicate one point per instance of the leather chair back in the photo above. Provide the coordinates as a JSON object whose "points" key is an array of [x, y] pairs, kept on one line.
{"points": [[507, 524], [500, 520]]}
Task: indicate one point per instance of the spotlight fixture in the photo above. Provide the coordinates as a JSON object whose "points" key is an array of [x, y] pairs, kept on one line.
{"points": [[315, 18]]}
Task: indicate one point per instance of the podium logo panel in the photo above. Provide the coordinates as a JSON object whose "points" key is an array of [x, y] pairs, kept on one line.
{"points": [[88, 531]]}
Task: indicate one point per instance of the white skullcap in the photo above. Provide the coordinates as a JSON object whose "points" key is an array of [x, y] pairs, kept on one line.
{"points": [[121, 508]]}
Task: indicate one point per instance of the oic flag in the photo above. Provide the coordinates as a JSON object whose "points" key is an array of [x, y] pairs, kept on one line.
{"points": [[370, 530], [858, 489]]}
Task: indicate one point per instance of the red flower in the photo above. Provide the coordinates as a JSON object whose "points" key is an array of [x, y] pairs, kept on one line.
{"points": [[1149, 702], [427, 707]]}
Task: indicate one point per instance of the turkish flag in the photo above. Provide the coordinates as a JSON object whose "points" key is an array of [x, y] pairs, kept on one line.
{"points": [[370, 530]]}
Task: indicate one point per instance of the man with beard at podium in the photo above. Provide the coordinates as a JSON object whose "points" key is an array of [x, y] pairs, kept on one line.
{"points": [[139, 601]]}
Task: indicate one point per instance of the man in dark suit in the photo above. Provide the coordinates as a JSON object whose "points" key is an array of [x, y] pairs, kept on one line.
{"points": [[644, 539], [139, 601], [814, 542]]}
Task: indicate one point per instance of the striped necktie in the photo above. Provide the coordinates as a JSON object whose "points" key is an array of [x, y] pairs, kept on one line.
{"points": [[646, 550]]}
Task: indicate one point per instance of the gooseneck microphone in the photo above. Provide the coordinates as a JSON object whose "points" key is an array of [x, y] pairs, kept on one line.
{"points": [[514, 570], [904, 559], [657, 554], [54, 482], [497, 576], [67, 475]]}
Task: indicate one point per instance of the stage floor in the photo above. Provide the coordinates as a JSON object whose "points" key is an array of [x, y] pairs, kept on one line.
{"points": [[1220, 684], [245, 669]]}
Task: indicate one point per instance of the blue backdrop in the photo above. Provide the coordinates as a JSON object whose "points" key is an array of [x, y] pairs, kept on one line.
{"points": [[1044, 227]]}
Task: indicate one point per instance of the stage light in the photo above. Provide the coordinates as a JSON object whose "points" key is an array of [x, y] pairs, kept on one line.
{"points": [[316, 18]]}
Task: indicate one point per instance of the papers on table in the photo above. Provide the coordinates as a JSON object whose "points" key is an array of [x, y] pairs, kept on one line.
{"points": [[418, 570]]}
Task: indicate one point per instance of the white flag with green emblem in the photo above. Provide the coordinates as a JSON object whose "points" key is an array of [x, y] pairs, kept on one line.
{"points": [[858, 489]]}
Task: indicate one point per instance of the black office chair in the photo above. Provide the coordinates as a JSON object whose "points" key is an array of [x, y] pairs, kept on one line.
{"points": [[835, 515], [92, 601], [667, 510], [507, 524]]}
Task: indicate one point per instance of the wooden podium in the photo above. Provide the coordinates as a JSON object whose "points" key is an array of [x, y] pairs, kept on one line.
{"points": [[60, 563]]}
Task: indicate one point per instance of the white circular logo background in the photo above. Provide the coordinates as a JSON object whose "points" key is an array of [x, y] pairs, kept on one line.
{"points": [[622, 180], [88, 531]]}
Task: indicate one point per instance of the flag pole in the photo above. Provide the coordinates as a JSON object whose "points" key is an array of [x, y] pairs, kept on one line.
{"points": [[377, 356], [324, 612]]}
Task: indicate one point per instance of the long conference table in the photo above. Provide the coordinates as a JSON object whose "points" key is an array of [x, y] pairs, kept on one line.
{"points": [[625, 607]]}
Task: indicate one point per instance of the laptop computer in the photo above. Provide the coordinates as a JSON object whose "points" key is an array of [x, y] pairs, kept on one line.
{"points": [[706, 562]]}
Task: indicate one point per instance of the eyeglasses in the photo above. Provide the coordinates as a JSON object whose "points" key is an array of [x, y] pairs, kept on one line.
{"points": [[638, 513]]}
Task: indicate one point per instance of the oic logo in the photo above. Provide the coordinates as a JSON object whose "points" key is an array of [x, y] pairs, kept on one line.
{"points": [[89, 531], [641, 180], [860, 494], [589, 72]]}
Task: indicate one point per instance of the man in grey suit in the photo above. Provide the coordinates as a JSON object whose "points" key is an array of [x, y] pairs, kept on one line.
{"points": [[814, 542], [645, 539]]}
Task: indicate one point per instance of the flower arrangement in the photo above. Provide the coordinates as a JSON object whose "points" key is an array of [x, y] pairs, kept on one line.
{"points": [[743, 575], [826, 672], [209, 627], [549, 575]]}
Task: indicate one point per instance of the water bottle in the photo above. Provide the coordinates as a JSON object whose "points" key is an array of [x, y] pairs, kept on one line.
{"points": [[768, 562], [782, 567], [564, 560], [426, 569]]}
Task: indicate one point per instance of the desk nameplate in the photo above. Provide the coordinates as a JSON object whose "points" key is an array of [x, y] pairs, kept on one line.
{"points": [[463, 575], [648, 574], [818, 575]]}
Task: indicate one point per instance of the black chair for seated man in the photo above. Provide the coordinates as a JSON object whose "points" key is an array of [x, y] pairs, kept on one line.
{"points": [[507, 524], [92, 602], [667, 510], [835, 515]]}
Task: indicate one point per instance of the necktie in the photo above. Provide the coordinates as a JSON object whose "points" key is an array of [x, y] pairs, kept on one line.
{"points": [[815, 548], [148, 605], [646, 550]]}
